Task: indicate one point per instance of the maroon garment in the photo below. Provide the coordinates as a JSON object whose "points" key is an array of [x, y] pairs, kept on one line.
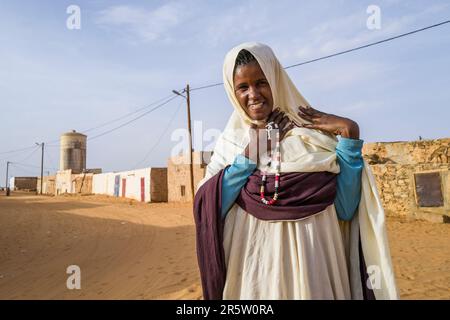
{"points": [[300, 195], [303, 194], [209, 233]]}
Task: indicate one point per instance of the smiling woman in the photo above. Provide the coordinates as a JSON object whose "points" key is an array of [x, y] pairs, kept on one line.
{"points": [[322, 232], [251, 87]]}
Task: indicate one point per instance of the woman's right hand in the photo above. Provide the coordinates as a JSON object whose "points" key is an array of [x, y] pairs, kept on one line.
{"points": [[259, 144]]}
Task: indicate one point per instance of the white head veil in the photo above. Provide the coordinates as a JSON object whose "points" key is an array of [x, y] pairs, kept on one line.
{"points": [[306, 150]]}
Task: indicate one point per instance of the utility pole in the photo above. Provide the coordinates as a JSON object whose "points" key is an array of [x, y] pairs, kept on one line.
{"points": [[6, 185], [188, 100], [42, 164], [191, 163]]}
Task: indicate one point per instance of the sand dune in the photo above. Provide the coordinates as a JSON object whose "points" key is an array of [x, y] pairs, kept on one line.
{"points": [[131, 250]]}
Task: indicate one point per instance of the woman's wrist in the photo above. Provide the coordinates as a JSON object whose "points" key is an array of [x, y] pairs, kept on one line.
{"points": [[349, 130]]}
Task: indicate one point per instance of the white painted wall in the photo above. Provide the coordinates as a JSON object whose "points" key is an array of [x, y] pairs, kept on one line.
{"points": [[104, 183], [64, 182]]}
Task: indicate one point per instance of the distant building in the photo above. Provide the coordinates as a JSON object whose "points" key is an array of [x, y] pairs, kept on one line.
{"points": [[178, 175], [413, 178], [73, 152], [23, 183], [48, 185], [146, 185]]}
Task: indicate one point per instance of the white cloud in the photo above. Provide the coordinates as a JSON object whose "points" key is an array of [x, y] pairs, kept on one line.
{"points": [[248, 21], [143, 25], [350, 31]]}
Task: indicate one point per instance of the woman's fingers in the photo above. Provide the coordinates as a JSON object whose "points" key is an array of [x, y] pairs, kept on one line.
{"points": [[286, 129], [285, 120], [278, 118], [310, 111], [271, 116], [305, 116]]}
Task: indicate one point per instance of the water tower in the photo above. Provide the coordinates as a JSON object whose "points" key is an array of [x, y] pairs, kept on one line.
{"points": [[73, 152]]}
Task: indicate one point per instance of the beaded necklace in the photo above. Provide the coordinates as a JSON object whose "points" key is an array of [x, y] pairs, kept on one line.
{"points": [[277, 161]]}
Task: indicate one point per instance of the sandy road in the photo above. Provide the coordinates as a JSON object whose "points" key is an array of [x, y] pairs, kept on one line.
{"points": [[126, 250], [131, 250]]}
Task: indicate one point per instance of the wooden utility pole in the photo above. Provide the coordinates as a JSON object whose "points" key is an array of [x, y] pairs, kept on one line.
{"points": [[42, 165], [191, 162], [188, 100], [6, 185]]}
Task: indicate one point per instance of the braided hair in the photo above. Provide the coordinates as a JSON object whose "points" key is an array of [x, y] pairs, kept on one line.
{"points": [[244, 57]]}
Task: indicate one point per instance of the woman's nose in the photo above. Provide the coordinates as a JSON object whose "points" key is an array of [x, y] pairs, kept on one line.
{"points": [[254, 93]]}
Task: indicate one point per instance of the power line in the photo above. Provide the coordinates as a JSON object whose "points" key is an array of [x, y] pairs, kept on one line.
{"points": [[50, 158], [16, 155], [134, 119], [29, 156], [48, 143], [18, 150], [126, 115], [23, 170], [171, 97], [208, 86], [31, 166], [160, 137], [345, 51], [368, 45]]}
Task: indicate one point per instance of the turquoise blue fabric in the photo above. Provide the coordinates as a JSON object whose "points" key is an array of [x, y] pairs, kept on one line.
{"points": [[233, 179], [350, 160]]}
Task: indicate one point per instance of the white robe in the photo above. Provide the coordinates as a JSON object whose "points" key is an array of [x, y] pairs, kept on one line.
{"points": [[302, 259]]}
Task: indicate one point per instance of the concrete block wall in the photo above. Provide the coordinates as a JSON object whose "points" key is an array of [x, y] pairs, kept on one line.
{"points": [[158, 185], [23, 183], [178, 175], [48, 185]]}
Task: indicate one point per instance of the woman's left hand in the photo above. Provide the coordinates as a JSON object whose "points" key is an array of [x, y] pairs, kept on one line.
{"points": [[330, 123]]}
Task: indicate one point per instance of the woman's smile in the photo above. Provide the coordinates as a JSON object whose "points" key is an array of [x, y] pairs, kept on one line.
{"points": [[257, 107]]}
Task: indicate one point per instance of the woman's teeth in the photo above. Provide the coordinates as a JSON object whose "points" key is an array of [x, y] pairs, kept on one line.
{"points": [[256, 106]]}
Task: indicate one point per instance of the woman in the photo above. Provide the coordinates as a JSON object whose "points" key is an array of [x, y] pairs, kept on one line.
{"points": [[285, 211]]}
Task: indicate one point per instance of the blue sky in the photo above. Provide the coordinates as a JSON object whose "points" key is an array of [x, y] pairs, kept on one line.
{"points": [[128, 54]]}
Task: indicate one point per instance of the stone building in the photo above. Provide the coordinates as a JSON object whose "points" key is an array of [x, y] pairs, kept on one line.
{"points": [[178, 175], [48, 185], [413, 178], [23, 183]]}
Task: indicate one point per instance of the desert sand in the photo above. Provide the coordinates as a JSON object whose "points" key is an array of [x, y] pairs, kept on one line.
{"points": [[131, 250]]}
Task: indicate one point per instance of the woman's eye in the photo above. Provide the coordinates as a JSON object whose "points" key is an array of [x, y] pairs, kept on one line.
{"points": [[263, 82]]}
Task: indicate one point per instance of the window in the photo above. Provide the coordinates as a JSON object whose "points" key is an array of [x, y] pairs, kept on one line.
{"points": [[428, 189], [183, 191]]}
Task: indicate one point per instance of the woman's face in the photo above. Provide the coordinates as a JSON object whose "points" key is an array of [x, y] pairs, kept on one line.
{"points": [[253, 91]]}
